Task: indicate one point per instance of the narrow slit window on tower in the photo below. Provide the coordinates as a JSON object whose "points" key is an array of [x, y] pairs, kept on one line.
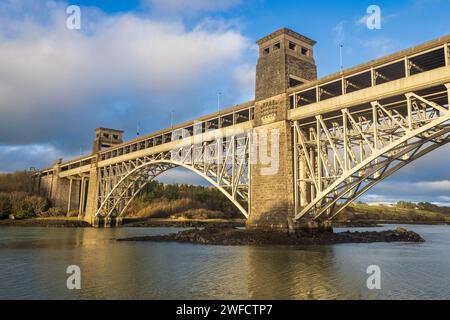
{"points": [[305, 51], [277, 46], [292, 46], [266, 51]]}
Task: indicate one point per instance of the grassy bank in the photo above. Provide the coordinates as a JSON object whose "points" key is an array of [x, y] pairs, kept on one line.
{"points": [[402, 212]]}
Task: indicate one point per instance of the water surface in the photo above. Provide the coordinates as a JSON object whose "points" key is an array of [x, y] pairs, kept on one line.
{"points": [[33, 264]]}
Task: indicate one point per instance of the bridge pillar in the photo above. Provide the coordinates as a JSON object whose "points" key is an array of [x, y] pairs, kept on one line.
{"points": [[92, 194], [55, 188], [74, 195], [285, 60], [271, 183]]}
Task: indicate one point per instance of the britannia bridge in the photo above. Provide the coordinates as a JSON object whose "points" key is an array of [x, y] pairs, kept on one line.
{"points": [[296, 156]]}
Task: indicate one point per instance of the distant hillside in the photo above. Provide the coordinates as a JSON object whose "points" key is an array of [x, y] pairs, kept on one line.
{"points": [[196, 202], [403, 211], [158, 200]]}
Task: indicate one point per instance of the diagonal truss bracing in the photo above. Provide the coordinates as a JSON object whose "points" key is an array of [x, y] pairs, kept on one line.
{"points": [[223, 162], [339, 157]]}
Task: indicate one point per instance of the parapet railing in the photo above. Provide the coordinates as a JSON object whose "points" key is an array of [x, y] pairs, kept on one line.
{"points": [[429, 56], [233, 116]]}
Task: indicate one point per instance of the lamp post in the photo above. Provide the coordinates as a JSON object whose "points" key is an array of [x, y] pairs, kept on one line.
{"points": [[218, 101]]}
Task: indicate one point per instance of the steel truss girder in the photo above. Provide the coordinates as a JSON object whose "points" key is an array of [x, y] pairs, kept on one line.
{"points": [[340, 158], [223, 162]]}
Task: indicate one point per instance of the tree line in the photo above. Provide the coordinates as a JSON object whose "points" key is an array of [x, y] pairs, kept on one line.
{"points": [[19, 198]]}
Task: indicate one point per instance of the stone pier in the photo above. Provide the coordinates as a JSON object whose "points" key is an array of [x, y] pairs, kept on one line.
{"points": [[285, 60]]}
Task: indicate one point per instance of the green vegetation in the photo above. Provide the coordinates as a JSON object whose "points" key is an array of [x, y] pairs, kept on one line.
{"points": [[194, 202], [18, 198], [403, 211]]}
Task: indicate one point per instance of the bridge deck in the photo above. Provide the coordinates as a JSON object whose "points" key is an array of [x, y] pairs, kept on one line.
{"points": [[239, 116], [413, 69], [384, 71]]}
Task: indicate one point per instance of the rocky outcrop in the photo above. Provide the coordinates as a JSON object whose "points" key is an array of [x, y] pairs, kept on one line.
{"points": [[235, 237]]}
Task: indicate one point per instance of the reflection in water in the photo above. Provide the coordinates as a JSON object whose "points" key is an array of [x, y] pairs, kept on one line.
{"points": [[33, 264], [291, 273]]}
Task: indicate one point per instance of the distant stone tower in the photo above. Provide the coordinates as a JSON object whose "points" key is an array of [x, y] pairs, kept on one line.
{"points": [[285, 60], [105, 138]]}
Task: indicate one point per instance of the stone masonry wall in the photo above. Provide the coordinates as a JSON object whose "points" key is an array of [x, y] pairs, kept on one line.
{"points": [[302, 68], [272, 196], [270, 75]]}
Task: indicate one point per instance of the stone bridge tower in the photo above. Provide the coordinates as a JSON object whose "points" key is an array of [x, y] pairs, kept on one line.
{"points": [[285, 60]]}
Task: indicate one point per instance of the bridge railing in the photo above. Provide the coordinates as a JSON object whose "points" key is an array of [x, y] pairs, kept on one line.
{"points": [[219, 120], [429, 56]]}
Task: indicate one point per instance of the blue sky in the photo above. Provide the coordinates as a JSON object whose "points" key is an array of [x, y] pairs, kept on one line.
{"points": [[405, 24], [134, 61]]}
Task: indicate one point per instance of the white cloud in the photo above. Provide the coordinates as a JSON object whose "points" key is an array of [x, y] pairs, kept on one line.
{"points": [[245, 76], [381, 46], [56, 85], [339, 33], [391, 191], [17, 157], [182, 175], [443, 185], [378, 199], [363, 20], [384, 18], [415, 188]]}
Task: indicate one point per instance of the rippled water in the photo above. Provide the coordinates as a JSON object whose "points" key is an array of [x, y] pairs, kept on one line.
{"points": [[33, 264]]}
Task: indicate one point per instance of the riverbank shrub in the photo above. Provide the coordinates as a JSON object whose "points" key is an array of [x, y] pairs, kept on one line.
{"points": [[22, 206], [18, 198], [52, 212], [5, 205]]}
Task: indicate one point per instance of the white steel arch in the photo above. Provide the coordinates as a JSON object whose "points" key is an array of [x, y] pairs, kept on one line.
{"points": [[222, 162], [339, 157]]}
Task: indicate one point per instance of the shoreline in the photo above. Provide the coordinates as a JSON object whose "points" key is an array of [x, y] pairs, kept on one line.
{"points": [[239, 237], [231, 233], [46, 223], [64, 222]]}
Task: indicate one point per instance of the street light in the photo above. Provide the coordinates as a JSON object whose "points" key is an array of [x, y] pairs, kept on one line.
{"points": [[218, 101]]}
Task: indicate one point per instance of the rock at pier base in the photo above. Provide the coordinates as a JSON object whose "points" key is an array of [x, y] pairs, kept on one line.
{"points": [[106, 222], [314, 226], [295, 227], [233, 236]]}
